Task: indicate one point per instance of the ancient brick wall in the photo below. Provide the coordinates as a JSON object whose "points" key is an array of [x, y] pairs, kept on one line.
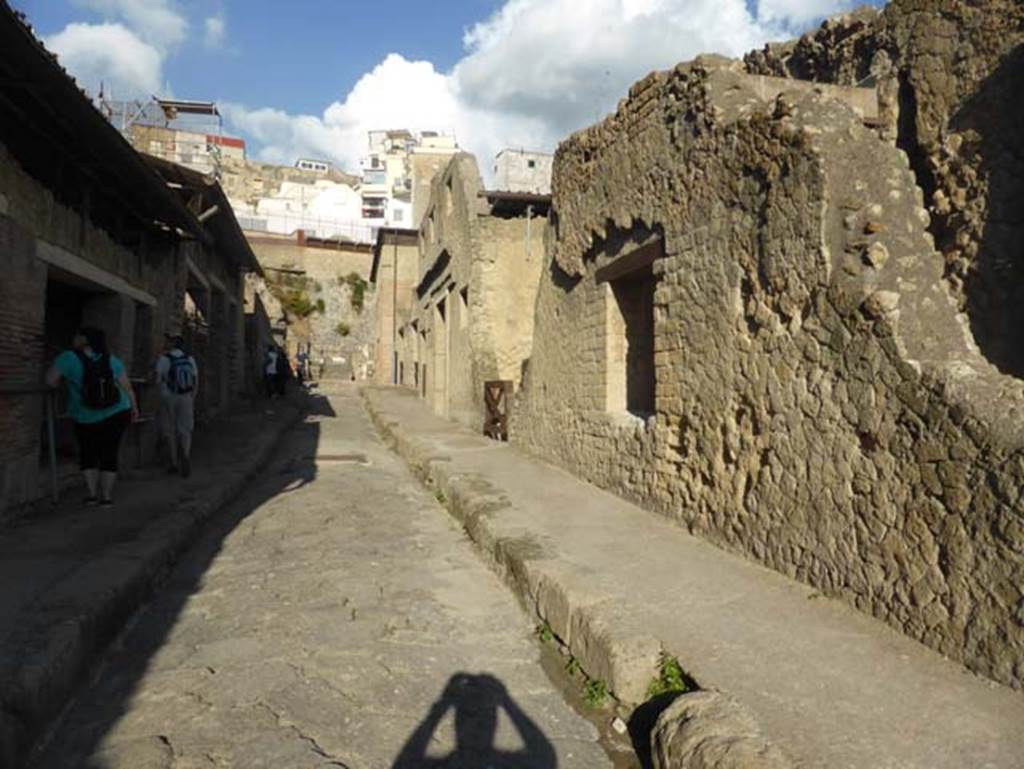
{"points": [[33, 222], [818, 404], [478, 275], [959, 70], [22, 294]]}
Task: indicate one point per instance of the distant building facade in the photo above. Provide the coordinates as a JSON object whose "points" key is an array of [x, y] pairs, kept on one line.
{"points": [[470, 306], [398, 166], [517, 170]]}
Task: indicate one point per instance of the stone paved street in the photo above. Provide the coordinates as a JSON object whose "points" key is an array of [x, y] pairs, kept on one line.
{"points": [[334, 615]]}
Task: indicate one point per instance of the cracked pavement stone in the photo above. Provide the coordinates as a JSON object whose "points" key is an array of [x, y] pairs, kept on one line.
{"points": [[333, 616]]}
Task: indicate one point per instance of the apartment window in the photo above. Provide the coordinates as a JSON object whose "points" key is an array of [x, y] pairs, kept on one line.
{"points": [[631, 383], [531, 163]]}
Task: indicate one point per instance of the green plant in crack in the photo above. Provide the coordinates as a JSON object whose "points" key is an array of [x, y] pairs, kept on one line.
{"points": [[545, 633], [358, 288], [671, 678], [343, 329], [439, 495], [595, 693], [573, 667]]}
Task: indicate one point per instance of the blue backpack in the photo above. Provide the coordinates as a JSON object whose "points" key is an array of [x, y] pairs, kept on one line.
{"points": [[181, 377]]}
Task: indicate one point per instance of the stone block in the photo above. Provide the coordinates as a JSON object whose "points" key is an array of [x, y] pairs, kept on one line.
{"points": [[708, 730]]}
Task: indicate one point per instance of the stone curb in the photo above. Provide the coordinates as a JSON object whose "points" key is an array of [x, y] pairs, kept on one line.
{"points": [[59, 654], [586, 624]]}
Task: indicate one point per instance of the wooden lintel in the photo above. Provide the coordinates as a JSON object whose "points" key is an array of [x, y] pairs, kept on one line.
{"points": [[637, 259]]}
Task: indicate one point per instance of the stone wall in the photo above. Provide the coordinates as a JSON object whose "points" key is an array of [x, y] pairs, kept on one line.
{"points": [[37, 235], [250, 181], [958, 72], [472, 320], [394, 294], [326, 270], [818, 403]]}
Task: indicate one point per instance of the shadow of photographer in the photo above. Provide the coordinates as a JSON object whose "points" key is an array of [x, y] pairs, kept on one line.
{"points": [[475, 700]]}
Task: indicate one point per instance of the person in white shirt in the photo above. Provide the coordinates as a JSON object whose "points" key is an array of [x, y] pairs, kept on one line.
{"points": [[178, 377]]}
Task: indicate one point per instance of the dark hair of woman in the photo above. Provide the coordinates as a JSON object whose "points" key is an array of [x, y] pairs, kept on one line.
{"points": [[96, 338]]}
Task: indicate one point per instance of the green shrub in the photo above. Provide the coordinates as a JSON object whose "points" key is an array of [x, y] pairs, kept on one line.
{"points": [[357, 286], [671, 678], [342, 329], [297, 303]]}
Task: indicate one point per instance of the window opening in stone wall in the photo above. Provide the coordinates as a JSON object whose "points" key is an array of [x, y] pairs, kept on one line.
{"points": [[631, 383]]}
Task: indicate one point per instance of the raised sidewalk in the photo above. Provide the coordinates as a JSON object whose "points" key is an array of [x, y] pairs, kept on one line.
{"points": [[830, 686], [73, 576]]}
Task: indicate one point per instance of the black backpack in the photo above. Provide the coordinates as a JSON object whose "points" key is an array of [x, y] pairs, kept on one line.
{"points": [[99, 388]]}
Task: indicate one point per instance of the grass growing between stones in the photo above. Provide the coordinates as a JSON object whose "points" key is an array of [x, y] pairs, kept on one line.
{"points": [[595, 693], [545, 633], [671, 679]]}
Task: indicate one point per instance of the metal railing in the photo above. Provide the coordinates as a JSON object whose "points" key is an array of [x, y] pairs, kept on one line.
{"points": [[50, 400], [313, 226]]}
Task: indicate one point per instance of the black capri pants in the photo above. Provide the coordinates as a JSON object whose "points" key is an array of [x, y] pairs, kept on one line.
{"points": [[99, 443]]}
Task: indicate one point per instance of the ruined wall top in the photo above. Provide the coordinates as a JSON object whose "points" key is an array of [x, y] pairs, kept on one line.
{"points": [[957, 74]]}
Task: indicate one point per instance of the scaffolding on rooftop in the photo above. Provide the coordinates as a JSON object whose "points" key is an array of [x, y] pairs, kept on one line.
{"points": [[198, 117]]}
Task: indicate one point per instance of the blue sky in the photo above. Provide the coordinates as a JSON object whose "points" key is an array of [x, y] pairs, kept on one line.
{"points": [[310, 77], [271, 46]]}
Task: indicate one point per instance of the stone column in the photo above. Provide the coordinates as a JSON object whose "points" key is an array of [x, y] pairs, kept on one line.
{"points": [[22, 363]]}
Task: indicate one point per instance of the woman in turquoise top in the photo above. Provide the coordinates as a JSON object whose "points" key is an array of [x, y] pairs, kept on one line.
{"points": [[97, 430]]}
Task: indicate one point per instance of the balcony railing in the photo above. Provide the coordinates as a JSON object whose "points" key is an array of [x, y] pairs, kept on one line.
{"points": [[313, 226]]}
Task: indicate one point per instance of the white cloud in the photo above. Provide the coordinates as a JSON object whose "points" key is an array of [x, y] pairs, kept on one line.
{"points": [[214, 28], [801, 11], [108, 53], [159, 22], [532, 73]]}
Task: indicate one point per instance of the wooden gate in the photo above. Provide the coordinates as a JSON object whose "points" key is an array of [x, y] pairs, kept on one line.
{"points": [[497, 394]]}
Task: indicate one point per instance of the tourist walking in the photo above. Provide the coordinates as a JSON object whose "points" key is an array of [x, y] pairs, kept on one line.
{"points": [[102, 404], [270, 371], [284, 372], [178, 377]]}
